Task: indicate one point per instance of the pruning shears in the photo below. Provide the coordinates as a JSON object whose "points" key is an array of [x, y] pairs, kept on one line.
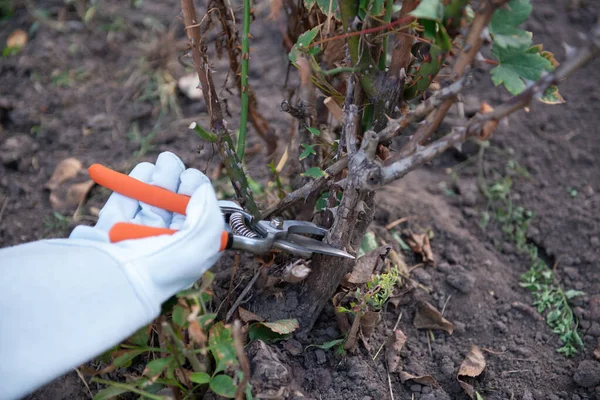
{"points": [[242, 232]]}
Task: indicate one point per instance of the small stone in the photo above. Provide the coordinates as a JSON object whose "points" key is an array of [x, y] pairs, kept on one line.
{"points": [[415, 388], [500, 326], [595, 241], [422, 276], [461, 281], [571, 272], [594, 329], [321, 356], [293, 347], [594, 307], [425, 390], [323, 379], [460, 327], [575, 397], [437, 394], [539, 337], [587, 374], [527, 395]]}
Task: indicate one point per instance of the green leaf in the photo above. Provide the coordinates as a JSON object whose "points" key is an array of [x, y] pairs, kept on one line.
{"points": [[303, 42], [179, 315], [156, 367], [109, 393], [327, 345], [517, 64], [200, 377], [435, 31], [505, 21], [314, 172], [314, 131], [369, 242], [551, 96], [308, 151], [569, 294], [124, 360], [203, 133], [478, 396], [222, 348], [270, 332], [322, 201], [429, 9], [140, 338], [223, 386], [324, 6]]}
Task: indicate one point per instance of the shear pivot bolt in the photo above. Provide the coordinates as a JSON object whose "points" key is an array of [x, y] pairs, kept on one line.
{"points": [[277, 223]]}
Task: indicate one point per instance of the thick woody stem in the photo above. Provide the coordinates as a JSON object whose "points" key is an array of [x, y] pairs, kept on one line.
{"points": [[473, 43]]}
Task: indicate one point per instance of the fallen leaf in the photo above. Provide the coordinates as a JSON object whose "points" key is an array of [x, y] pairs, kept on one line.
{"points": [[248, 316], [420, 379], [77, 193], [597, 350], [189, 86], [419, 243], [197, 333], [17, 39], [65, 170], [365, 265], [368, 322], [283, 327], [472, 366], [394, 345], [428, 317]]}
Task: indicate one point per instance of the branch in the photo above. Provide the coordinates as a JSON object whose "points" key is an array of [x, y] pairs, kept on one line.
{"points": [[308, 189], [348, 137], [472, 45], [217, 123], [483, 122], [424, 108]]}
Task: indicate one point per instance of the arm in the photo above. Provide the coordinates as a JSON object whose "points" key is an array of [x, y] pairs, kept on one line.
{"points": [[65, 301]]}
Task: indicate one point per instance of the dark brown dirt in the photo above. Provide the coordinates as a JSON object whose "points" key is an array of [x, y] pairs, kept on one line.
{"points": [[46, 116]]}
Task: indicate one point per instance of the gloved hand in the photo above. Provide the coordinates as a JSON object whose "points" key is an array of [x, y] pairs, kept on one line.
{"points": [[65, 301], [165, 264]]}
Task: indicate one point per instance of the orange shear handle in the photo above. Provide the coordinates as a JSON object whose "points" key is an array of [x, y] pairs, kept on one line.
{"points": [[146, 193]]}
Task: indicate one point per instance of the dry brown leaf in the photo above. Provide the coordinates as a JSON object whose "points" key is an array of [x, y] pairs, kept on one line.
{"points": [[65, 170], [472, 366], [420, 379], [428, 317], [248, 316], [394, 345], [17, 39], [77, 193], [368, 322], [398, 260], [597, 350], [419, 243], [197, 333], [364, 267], [183, 375]]}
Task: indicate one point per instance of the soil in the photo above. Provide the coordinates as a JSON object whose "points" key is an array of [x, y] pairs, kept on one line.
{"points": [[82, 91]]}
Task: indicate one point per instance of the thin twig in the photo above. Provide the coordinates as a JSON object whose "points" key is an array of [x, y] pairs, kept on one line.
{"points": [[236, 333], [3, 207], [225, 145], [241, 143], [180, 346], [242, 295]]}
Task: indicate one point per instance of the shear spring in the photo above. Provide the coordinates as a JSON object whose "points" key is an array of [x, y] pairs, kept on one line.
{"points": [[238, 226]]}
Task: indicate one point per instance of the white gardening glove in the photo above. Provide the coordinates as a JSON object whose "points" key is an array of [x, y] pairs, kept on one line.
{"points": [[65, 301]]}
